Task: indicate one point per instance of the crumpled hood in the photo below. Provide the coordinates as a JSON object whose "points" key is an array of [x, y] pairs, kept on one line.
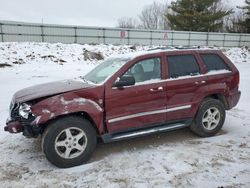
{"points": [[48, 89]]}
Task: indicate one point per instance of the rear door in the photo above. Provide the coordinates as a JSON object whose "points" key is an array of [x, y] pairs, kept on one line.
{"points": [[186, 85], [140, 105]]}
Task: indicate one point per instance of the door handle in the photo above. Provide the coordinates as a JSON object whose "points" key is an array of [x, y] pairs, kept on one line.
{"points": [[199, 83], [153, 90], [160, 88], [156, 89]]}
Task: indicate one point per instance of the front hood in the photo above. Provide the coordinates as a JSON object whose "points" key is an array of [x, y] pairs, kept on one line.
{"points": [[48, 89]]}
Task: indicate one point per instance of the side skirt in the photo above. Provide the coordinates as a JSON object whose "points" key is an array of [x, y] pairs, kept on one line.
{"points": [[146, 131]]}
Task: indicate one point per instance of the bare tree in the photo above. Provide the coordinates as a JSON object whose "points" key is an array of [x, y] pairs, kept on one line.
{"points": [[126, 22], [233, 23], [222, 6], [153, 16]]}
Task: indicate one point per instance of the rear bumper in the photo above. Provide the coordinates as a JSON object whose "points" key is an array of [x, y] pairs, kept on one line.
{"points": [[233, 99], [13, 127]]}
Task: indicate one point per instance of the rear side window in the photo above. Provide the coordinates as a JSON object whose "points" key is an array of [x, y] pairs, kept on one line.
{"points": [[182, 65], [214, 62]]}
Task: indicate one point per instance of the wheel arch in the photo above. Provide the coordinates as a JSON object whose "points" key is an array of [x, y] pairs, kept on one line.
{"points": [[81, 114], [220, 97], [60, 106]]}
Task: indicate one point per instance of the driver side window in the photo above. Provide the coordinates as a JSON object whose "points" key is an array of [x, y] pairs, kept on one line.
{"points": [[146, 70]]}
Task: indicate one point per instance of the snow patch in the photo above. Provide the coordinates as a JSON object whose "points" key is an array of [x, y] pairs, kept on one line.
{"points": [[148, 81], [46, 111], [213, 72]]}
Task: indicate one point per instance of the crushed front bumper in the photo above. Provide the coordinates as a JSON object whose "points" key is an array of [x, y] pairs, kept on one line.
{"points": [[17, 124], [29, 131]]}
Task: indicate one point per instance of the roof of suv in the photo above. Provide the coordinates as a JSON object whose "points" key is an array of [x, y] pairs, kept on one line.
{"points": [[133, 55]]}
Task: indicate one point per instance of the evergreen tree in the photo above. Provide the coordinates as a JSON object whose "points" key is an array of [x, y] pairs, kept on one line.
{"points": [[197, 15]]}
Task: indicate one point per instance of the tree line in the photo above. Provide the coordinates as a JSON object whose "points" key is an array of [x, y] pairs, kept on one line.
{"points": [[191, 15]]}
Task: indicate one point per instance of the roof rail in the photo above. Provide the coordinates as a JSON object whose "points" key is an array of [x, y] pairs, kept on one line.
{"points": [[161, 48], [174, 47], [187, 47]]}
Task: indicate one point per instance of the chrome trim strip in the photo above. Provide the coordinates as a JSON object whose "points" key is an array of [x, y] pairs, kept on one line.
{"points": [[149, 113], [179, 108], [143, 132]]}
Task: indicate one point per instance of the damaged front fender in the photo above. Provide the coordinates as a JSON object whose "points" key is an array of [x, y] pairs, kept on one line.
{"points": [[66, 104]]}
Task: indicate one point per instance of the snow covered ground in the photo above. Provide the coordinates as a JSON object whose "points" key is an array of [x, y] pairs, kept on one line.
{"points": [[174, 159]]}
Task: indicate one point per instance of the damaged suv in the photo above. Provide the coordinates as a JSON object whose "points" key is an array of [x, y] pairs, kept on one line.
{"points": [[124, 97]]}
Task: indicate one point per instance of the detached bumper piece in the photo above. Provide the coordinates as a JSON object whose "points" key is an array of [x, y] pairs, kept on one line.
{"points": [[13, 127]]}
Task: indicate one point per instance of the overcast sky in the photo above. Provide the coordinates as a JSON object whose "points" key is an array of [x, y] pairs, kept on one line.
{"points": [[76, 12]]}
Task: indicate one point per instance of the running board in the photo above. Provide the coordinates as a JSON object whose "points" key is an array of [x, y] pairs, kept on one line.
{"points": [[132, 134]]}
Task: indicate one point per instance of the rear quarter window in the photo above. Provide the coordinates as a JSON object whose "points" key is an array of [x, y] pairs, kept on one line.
{"points": [[182, 65], [214, 62]]}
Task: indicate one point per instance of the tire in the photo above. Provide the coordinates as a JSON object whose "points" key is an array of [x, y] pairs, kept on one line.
{"points": [[69, 141], [209, 119]]}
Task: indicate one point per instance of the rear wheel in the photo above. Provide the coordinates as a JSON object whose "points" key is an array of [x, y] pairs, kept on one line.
{"points": [[69, 141], [209, 119]]}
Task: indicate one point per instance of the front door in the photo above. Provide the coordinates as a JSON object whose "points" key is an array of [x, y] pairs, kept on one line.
{"points": [[140, 105]]}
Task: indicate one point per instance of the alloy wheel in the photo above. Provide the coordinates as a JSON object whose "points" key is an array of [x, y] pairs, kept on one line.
{"points": [[71, 143]]}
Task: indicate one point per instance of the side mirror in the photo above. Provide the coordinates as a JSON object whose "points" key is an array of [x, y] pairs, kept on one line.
{"points": [[125, 80]]}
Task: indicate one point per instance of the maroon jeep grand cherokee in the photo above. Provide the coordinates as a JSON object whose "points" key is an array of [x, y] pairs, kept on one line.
{"points": [[127, 96]]}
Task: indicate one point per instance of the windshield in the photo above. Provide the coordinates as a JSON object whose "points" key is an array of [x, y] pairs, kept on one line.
{"points": [[106, 69]]}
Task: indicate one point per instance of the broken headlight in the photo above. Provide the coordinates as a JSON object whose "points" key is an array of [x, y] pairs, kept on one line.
{"points": [[24, 110]]}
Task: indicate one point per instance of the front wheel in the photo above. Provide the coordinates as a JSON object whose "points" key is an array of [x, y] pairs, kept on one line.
{"points": [[209, 119], [69, 141]]}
